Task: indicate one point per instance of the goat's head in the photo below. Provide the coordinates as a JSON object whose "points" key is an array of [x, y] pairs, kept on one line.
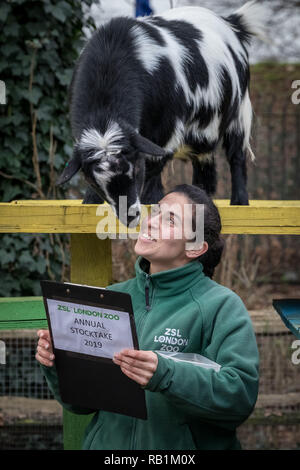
{"points": [[113, 164]]}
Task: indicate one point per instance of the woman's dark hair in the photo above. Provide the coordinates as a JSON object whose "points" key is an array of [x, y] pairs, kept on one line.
{"points": [[212, 225]]}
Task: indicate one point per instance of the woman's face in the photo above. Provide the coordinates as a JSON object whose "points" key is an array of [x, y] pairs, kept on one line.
{"points": [[165, 232]]}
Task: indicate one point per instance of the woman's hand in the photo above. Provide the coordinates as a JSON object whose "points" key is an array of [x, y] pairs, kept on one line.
{"points": [[44, 354], [137, 365]]}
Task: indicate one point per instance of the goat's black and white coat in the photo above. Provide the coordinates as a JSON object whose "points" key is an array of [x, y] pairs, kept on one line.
{"points": [[145, 90]]}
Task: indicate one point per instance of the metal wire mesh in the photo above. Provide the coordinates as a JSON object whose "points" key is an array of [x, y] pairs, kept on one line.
{"points": [[278, 374], [275, 422], [29, 416]]}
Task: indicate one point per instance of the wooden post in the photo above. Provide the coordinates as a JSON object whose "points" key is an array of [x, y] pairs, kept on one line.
{"points": [[90, 264]]}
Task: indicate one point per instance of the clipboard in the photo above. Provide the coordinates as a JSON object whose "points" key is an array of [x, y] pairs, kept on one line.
{"points": [[87, 378]]}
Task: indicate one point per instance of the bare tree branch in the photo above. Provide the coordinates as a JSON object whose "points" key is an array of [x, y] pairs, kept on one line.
{"points": [[35, 158], [5, 175]]}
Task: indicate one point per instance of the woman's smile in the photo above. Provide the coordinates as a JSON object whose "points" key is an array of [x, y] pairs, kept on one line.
{"points": [[146, 238]]}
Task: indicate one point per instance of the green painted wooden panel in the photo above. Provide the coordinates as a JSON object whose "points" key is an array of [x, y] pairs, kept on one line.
{"points": [[22, 312]]}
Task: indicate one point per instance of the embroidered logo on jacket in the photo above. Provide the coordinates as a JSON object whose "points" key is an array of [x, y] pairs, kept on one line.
{"points": [[171, 340]]}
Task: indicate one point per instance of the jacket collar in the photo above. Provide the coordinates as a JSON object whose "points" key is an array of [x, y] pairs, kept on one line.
{"points": [[170, 282]]}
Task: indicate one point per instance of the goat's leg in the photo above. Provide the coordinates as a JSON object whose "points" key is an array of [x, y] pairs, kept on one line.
{"points": [[91, 197], [236, 156], [201, 153], [153, 189], [204, 173]]}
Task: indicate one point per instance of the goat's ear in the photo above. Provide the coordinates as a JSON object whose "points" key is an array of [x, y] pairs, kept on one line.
{"points": [[71, 168], [147, 147]]}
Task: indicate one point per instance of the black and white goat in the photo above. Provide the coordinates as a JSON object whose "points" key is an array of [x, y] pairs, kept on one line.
{"points": [[145, 90]]}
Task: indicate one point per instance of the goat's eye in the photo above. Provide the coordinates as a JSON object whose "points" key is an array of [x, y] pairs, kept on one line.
{"points": [[129, 154]]}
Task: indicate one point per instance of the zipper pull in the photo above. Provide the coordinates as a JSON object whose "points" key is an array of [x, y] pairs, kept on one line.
{"points": [[147, 283]]}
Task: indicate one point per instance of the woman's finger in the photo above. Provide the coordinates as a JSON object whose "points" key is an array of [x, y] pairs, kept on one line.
{"points": [[44, 353], [45, 345], [142, 373], [136, 377], [145, 360], [45, 340], [139, 355], [44, 334], [138, 365], [43, 361]]}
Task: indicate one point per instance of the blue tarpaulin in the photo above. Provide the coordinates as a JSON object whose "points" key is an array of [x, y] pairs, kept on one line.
{"points": [[142, 8], [289, 310]]}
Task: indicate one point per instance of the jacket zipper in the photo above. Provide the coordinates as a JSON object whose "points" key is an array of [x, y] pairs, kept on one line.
{"points": [[148, 307], [147, 283]]}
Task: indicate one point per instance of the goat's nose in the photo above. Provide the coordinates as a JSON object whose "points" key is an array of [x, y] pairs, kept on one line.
{"points": [[134, 220], [134, 211]]}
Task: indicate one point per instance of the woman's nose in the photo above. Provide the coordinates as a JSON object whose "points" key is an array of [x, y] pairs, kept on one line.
{"points": [[153, 219], [153, 225]]}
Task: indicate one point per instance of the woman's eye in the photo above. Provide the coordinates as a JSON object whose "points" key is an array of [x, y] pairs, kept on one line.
{"points": [[169, 218]]}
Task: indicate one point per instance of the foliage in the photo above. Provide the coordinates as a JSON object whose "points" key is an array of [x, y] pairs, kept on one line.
{"points": [[39, 43]]}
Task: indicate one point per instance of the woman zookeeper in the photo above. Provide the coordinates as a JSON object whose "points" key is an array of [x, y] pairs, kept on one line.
{"points": [[189, 407]]}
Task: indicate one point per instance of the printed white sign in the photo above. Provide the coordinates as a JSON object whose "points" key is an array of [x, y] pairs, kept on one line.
{"points": [[89, 330]]}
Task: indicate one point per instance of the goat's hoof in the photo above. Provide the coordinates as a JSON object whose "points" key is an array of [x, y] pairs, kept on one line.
{"points": [[239, 200], [92, 200]]}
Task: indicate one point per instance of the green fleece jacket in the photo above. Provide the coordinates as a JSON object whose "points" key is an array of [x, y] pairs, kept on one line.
{"points": [[189, 407]]}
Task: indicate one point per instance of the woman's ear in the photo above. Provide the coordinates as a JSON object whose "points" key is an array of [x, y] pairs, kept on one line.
{"points": [[196, 252]]}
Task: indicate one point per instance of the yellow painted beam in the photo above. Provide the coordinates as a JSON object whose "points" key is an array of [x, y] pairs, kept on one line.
{"points": [[71, 216]]}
